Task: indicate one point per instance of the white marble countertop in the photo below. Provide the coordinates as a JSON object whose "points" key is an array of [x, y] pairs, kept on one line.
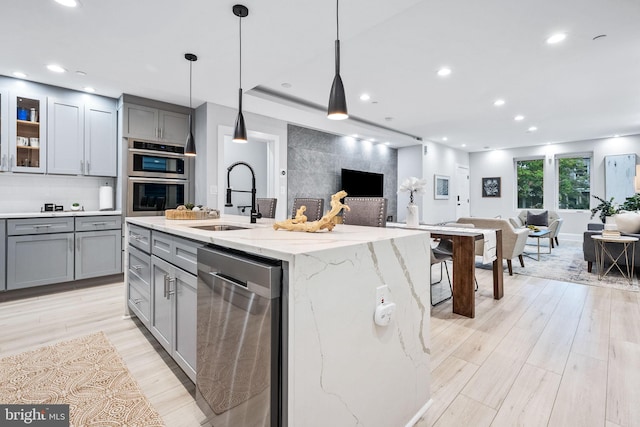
{"points": [[261, 238], [13, 215]]}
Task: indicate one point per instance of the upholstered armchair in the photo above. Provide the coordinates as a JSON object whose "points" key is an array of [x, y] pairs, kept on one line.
{"points": [[554, 222], [513, 239], [370, 211]]}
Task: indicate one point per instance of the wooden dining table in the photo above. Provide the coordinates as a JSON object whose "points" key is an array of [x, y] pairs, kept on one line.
{"points": [[464, 264]]}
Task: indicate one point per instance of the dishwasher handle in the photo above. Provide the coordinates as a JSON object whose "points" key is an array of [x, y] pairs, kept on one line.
{"points": [[229, 280]]}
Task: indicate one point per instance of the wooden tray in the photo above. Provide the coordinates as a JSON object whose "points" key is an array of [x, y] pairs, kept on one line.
{"points": [[185, 214]]}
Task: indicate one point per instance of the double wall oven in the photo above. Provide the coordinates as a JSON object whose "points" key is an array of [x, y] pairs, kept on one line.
{"points": [[158, 177]]}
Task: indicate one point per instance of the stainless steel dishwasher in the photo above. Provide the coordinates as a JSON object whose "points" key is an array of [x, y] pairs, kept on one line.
{"points": [[239, 346]]}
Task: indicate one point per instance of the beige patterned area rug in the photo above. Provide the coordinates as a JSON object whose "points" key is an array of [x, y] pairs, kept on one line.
{"points": [[566, 263], [86, 373]]}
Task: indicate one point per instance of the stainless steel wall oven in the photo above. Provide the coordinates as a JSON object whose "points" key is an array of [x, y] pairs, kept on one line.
{"points": [[158, 177]]}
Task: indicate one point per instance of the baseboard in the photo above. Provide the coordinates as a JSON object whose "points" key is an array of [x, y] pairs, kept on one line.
{"points": [[419, 414]]}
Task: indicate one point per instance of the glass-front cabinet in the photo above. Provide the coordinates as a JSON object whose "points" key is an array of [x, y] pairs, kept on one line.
{"points": [[4, 131], [27, 133]]}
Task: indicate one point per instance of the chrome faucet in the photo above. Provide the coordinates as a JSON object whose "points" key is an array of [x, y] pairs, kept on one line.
{"points": [[254, 214]]}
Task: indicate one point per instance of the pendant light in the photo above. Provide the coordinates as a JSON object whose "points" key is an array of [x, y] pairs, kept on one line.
{"points": [[190, 146], [337, 100], [240, 130]]}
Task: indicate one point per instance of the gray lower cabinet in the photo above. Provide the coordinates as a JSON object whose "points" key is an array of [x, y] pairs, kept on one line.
{"points": [[98, 253], [3, 250], [34, 260], [173, 312], [139, 284]]}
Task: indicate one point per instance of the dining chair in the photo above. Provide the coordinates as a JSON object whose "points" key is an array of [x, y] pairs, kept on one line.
{"points": [[441, 259], [315, 207], [445, 246], [267, 207], [369, 211]]}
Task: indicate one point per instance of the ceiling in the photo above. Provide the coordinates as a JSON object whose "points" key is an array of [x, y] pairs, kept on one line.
{"points": [[582, 88]]}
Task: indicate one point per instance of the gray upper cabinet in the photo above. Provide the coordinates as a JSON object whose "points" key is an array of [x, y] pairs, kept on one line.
{"points": [[100, 141], [154, 124], [82, 138], [3, 250], [4, 131], [65, 136]]}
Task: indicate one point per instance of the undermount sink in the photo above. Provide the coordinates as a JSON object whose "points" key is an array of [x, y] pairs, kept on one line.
{"points": [[219, 227]]}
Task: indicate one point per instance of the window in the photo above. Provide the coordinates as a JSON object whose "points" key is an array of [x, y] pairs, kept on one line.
{"points": [[574, 182], [530, 179]]}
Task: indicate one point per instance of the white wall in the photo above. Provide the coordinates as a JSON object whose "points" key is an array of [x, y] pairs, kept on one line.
{"points": [[501, 163], [208, 190], [440, 160]]}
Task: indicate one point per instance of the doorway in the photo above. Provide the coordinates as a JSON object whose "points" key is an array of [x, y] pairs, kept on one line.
{"points": [[462, 191]]}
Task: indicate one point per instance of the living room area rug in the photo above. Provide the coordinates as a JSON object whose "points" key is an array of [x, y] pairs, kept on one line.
{"points": [[88, 374], [566, 263]]}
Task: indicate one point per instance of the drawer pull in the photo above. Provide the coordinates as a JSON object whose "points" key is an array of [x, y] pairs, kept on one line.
{"points": [[99, 223], [42, 225], [137, 301], [136, 267]]}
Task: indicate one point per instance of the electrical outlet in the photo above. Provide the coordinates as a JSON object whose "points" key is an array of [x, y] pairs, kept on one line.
{"points": [[382, 294]]}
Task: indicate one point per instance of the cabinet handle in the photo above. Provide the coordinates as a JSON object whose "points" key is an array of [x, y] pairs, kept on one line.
{"points": [[88, 168], [171, 291], [4, 160], [161, 133], [166, 284], [42, 225], [137, 301], [81, 166], [99, 223], [11, 162], [136, 267], [78, 244]]}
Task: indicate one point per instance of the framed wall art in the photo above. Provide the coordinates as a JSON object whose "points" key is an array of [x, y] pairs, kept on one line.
{"points": [[491, 187], [441, 187]]}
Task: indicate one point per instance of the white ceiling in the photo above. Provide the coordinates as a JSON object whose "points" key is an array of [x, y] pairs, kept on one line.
{"points": [[579, 89]]}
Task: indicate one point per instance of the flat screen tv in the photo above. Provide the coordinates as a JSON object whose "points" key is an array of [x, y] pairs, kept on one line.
{"points": [[363, 184]]}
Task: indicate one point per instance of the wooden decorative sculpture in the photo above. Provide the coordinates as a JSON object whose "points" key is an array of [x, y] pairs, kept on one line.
{"points": [[299, 223]]}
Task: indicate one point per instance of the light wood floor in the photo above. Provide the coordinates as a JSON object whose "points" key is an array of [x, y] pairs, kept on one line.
{"points": [[548, 354]]}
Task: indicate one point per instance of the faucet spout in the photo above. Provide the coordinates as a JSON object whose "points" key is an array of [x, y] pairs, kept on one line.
{"points": [[254, 214]]}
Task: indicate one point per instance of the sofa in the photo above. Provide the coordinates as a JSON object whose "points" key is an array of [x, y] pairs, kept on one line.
{"points": [[554, 222], [589, 247], [513, 239]]}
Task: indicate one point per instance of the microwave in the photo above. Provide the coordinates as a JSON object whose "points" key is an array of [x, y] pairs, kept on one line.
{"points": [[152, 196], [157, 160]]}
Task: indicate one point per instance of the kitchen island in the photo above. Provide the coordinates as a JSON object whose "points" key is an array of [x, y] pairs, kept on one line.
{"points": [[340, 367]]}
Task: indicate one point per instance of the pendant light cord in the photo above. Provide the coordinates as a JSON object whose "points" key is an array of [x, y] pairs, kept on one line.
{"points": [[240, 26], [190, 80], [337, 22]]}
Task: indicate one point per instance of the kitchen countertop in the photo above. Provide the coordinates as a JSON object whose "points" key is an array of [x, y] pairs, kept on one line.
{"points": [[13, 215], [261, 238]]}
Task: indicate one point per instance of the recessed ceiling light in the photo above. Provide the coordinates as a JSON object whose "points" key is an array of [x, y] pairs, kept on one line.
{"points": [[372, 139], [19, 75], [444, 138], [56, 68], [387, 143], [355, 135], [365, 97], [68, 3], [286, 85], [464, 145], [616, 135], [518, 118], [532, 129], [444, 71], [556, 38], [498, 102], [89, 89]]}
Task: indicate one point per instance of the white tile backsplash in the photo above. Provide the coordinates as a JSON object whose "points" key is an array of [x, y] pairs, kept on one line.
{"points": [[28, 193]]}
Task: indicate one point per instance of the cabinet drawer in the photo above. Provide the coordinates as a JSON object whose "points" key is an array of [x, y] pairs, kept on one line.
{"points": [[97, 223], [139, 237], [139, 266], [175, 250], [20, 227], [139, 302]]}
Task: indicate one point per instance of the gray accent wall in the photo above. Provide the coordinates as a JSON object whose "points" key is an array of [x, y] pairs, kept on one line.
{"points": [[315, 159]]}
